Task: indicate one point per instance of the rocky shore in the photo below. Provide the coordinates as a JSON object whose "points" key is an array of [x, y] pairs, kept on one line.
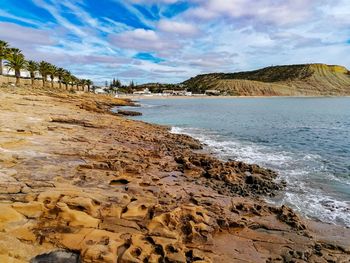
{"points": [[81, 184]]}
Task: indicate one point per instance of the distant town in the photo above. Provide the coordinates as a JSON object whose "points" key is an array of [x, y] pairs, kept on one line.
{"points": [[151, 89], [117, 89]]}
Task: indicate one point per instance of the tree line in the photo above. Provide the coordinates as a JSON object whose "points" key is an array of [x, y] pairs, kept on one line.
{"points": [[116, 86], [14, 59]]}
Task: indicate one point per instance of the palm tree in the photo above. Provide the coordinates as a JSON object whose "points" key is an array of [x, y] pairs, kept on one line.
{"points": [[16, 62], [67, 78], [4, 46], [75, 81], [32, 67], [82, 82], [52, 73], [14, 51], [60, 73], [89, 83], [44, 69]]}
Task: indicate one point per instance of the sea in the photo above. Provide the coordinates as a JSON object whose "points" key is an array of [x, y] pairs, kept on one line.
{"points": [[306, 140]]}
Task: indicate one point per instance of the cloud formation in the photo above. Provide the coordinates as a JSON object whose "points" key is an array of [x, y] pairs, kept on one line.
{"points": [[171, 40]]}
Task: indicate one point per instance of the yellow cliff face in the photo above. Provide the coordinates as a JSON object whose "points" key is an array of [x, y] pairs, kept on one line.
{"points": [[79, 184], [339, 69], [292, 80]]}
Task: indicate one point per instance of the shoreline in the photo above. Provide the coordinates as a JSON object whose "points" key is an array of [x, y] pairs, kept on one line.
{"points": [[75, 176], [222, 97]]}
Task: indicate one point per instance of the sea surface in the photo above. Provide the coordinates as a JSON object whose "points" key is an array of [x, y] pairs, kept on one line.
{"points": [[306, 140]]}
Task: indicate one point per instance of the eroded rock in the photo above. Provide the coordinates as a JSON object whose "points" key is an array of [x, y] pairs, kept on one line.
{"points": [[78, 184]]}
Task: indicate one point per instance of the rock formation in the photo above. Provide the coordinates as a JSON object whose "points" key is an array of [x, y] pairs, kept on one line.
{"points": [[290, 80], [80, 184]]}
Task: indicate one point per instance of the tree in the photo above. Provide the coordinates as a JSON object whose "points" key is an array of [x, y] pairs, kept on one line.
{"points": [[75, 81], [14, 51], [4, 46], [32, 67], [44, 69], [118, 84], [88, 82], [52, 73], [16, 62], [82, 83], [60, 73], [67, 78]]}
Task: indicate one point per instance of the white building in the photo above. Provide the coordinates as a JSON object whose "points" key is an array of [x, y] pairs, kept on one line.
{"points": [[146, 91], [25, 74], [101, 90]]}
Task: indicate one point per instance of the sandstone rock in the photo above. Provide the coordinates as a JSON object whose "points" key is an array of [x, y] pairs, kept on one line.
{"points": [[133, 192], [29, 210], [137, 210], [9, 216], [139, 251], [85, 204], [49, 198], [76, 218], [25, 232], [10, 188], [119, 225]]}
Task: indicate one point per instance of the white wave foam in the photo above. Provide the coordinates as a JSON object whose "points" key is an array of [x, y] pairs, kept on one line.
{"points": [[299, 170]]}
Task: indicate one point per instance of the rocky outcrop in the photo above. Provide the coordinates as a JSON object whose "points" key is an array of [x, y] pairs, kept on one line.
{"points": [[78, 184]]}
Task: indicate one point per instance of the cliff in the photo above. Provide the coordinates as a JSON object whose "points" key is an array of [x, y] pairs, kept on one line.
{"points": [[291, 80], [80, 184]]}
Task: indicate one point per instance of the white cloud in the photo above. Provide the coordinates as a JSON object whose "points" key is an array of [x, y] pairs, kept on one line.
{"points": [[263, 11], [3, 13], [211, 36], [23, 36], [142, 40], [180, 28]]}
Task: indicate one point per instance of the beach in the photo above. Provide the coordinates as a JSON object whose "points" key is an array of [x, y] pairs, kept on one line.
{"points": [[79, 182]]}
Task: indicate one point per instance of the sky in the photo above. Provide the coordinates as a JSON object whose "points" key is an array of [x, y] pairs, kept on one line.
{"points": [[168, 41]]}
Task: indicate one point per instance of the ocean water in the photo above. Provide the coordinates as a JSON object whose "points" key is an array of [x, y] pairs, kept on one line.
{"points": [[306, 140]]}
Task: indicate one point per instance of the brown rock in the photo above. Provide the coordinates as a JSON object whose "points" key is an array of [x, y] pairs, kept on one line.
{"points": [[76, 218]]}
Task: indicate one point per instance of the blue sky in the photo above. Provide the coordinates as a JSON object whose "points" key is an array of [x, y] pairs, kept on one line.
{"points": [[171, 40]]}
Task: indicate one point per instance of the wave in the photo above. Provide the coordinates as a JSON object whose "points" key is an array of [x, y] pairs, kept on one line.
{"points": [[146, 105], [311, 189]]}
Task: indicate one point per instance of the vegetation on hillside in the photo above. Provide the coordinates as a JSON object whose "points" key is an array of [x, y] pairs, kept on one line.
{"points": [[15, 60], [306, 79]]}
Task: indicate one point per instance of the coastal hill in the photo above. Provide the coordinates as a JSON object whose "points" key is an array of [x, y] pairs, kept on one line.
{"points": [[289, 80]]}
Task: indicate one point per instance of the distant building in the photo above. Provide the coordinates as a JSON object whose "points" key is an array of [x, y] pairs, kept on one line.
{"points": [[212, 92], [177, 93], [24, 74], [101, 90], [146, 91], [168, 92]]}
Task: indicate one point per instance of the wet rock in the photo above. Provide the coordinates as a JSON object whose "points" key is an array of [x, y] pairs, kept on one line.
{"points": [[60, 256], [129, 113], [287, 215]]}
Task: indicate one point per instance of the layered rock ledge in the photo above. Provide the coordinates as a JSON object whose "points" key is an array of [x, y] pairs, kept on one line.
{"points": [[80, 184]]}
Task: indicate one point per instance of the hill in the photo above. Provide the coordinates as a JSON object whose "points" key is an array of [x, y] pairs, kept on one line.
{"points": [[290, 80]]}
